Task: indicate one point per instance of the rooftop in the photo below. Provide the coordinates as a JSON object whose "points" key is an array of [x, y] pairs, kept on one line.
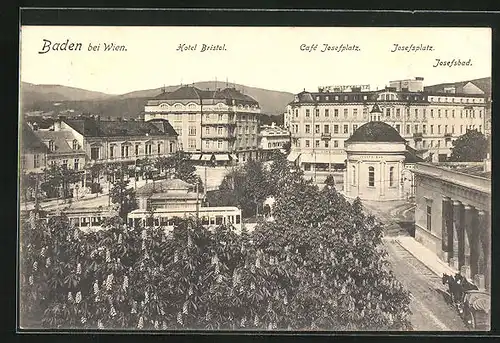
{"points": [[376, 131], [163, 186], [61, 140], [484, 84], [472, 168], [92, 127], [194, 93], [30, 141]]}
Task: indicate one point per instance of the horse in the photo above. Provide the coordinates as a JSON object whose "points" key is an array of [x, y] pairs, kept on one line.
{"points": [[453, 286], [463, 286]]}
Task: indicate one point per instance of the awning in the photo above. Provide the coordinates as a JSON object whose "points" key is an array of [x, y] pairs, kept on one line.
{"points": [[222, 157], [322, 158], [206, 157], [293, 156], [233, 157], [195, 157]]}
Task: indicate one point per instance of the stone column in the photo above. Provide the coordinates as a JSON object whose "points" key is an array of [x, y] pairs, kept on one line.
{"points": [[457, 222], [400, 180], [485, 237], [346, 180], [469, 212], [358, 175], [475, 244], [381, 178], [447, 229]]}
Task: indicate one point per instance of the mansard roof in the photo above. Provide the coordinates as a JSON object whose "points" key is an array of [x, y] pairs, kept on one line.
{"points": [[91, 127]]}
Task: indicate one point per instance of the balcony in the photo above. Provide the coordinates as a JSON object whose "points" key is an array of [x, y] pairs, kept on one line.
{"points": [[326, 136], [417, 136]]}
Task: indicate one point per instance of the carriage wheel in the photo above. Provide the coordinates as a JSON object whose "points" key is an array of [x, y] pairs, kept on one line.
{"points": [[470, 320]]}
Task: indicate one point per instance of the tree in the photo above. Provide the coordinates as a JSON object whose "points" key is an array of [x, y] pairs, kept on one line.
{"points": [[57, 181], [123, 196], [470, 147], [28, 185], [255, 187], [287, 146]]}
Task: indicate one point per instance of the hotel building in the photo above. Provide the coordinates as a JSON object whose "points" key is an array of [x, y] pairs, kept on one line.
{"points": [[213, 125], [430, 119]]}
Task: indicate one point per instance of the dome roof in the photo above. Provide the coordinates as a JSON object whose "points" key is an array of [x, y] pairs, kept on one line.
{"points": [[376, 131]]}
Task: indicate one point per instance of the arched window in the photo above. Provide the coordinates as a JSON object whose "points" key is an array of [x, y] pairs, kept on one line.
{"points": [[354, 175], [75, 144], [391, 176], [371, 176], [52, 146]]}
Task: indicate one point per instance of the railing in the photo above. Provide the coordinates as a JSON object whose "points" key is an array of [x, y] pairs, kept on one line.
{"points": [[417, 135], [326, 135]]}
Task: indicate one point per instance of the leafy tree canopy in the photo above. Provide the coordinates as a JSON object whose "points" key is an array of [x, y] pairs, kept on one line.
{"points": [[470, 147]]}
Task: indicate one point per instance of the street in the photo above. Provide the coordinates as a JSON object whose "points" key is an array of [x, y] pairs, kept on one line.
{"points": [[429, 305], [431, 312]]}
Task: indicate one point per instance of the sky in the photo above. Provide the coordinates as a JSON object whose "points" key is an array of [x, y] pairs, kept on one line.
{"points": [[266, 57]]}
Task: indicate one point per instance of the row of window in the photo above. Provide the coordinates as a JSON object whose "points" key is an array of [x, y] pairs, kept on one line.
{"points": [[340, 143], [74, 145], [274, 144], [416, 128], [126, 149], [395, 113], [37, 162], [371, 176], [401, 97]]}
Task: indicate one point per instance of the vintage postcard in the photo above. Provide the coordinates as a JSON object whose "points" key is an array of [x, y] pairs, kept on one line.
{"points": [[255, 178]]}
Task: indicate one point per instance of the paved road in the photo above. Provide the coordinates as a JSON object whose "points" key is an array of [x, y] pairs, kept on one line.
{"points": [[429, 302], [431, 311]]}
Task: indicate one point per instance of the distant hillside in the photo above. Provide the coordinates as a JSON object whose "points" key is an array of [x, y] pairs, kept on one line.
{"points": [[43, 97], [272, 102], [32, 93]]}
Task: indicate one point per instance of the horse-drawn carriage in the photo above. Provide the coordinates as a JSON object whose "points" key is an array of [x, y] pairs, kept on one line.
{"points": [[473, 305]]}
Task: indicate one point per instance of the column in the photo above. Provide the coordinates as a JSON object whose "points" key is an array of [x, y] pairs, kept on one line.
{"points": [[381, 170], [485, 253], [358, 175], [447, 229], [457, 222], [346, 181], [475, 244], [400, 180], [469, 212]]}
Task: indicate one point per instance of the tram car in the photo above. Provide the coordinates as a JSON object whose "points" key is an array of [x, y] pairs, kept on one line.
{"points": [[87, 219], [210, 217]]}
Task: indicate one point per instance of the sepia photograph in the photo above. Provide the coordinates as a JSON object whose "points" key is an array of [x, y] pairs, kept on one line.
{"points": [[176, 178]]}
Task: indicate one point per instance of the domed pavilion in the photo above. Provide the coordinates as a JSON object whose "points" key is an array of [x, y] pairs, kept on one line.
{"points": [[376, 155]]}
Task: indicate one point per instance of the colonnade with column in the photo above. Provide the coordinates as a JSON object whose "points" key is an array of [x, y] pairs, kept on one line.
{"points": [[466, 240]]}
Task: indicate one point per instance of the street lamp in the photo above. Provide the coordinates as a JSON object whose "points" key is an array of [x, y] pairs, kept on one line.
{"points": [[77, 187]]}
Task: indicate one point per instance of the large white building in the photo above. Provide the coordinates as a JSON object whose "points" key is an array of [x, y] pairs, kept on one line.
{"points": [[213, 125], [429, 119]]}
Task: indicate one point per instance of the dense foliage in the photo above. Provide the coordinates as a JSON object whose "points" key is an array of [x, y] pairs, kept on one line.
{"points": [[470, 147], [317, 266], [57, 180]]}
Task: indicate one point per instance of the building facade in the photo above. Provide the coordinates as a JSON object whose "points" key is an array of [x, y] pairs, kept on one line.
{"points": [[452, 216], [33, 157], [321, 122], [120, 141], [376, 164], [272, 138], [212, 124]]}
